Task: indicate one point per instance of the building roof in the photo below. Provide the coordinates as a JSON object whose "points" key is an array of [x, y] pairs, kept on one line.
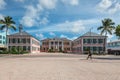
{"points": [[56, 38], [114, 41], [88, 34], [23, 33], [91, 34]]}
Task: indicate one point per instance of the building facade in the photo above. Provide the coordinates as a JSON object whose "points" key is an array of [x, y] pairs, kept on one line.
{"points": [[113, 47], [2, 40], [25, 41], [56, 44], [95, 42]]}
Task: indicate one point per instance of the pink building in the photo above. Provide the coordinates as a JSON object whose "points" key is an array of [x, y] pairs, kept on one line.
{"points": [[95, 42], [56, 44], [25, 41]]}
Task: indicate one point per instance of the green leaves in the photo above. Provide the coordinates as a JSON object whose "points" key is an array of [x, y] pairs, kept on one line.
{"points": [[107, 26], [117, 31], [7, 22]]}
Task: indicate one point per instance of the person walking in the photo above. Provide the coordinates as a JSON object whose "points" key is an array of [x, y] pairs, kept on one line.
{"points": [[89, 54]]}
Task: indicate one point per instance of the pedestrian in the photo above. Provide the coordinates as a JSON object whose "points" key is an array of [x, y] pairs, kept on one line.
{"points": [[89, 54]]}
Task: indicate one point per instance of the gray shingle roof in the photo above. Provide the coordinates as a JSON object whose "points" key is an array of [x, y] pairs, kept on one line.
{"points": [[22, 33], [91, 34]]}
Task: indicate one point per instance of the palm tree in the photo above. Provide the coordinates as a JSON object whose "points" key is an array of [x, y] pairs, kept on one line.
{"points": [[117, 31], [107, 27], [7, 23]]}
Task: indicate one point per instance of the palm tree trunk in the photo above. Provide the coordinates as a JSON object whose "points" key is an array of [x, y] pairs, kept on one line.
{"points": [[105, 43], [6, 38]]}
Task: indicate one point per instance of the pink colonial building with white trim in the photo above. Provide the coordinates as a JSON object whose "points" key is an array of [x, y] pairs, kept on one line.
{"points": [[24, 40], [95, 42]]}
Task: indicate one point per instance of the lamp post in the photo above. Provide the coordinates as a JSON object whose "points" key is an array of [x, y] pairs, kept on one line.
{"points": [[20, 30], [90, 38]]}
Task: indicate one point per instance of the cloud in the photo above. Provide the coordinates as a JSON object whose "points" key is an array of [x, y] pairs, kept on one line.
{"points": [[109, 37], [44, 21], [31, 16], [40, 36], [33, 13], [52, 34], [1, 16], [108, 6], [2, 4], [71, 2], [74, 27], [48, 4], [64, 36]]}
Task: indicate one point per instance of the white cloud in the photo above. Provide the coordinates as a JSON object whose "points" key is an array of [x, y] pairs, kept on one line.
{"points": [[1, 16], [71, 2], [74, 27], [78, 26], [64, 36], [33, 13], [40, 36], [31, 16], [108, 6], [2, 4], [52, 34], [44, 21], [104, 4], [109, 37], [115, 8], [48, 4]]}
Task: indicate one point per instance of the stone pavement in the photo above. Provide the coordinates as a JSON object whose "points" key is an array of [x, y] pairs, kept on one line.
{"points": [[59, 67]]}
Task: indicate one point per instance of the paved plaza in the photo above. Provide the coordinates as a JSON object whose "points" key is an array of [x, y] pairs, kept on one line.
{"points": [[53, 66]]}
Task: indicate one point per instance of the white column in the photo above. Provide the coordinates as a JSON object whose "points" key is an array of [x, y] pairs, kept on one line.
{"points": [[58, 45], [62, 46], [49, 44]]}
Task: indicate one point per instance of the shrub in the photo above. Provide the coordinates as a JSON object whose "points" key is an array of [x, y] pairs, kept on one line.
{"points": [[50, 50]]}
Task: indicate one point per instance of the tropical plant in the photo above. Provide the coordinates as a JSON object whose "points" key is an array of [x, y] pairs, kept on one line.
{"points": [[117, 31], [7, 23], [107, 27]]}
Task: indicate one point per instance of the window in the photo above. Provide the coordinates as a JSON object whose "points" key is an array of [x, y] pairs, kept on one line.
{"points": [[94, 48], [24, 48], [94, 41], [24, 40], [100, 40], [3, 37], [100, 48], [0, 41], [28, 40], [0, 36], [3, 42], [85, 41], [13, 40], [88, 40]]}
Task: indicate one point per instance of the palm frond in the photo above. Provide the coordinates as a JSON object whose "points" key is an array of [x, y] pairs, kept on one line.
{"points": [[103, 31], [13, 27], [2, 21], [99, 28], [109, 31], [2, 27]]}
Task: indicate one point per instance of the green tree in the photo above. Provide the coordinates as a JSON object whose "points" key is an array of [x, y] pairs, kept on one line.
{"points": [[107, 27], [117, 31], [7, 23]]}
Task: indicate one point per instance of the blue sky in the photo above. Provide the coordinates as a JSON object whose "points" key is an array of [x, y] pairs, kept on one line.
{"points": [[62, 18]]}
